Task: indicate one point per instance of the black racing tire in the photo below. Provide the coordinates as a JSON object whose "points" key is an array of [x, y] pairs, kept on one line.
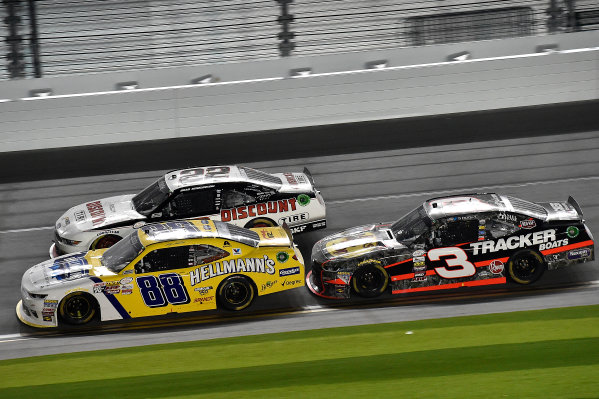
{"points": [[78, 308], [370, 279], [525, 267], [260, 222], [235, 293], [106, 241]]}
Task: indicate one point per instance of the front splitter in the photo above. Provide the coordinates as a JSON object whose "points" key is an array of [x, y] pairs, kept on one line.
{"points": [[314, 289]]}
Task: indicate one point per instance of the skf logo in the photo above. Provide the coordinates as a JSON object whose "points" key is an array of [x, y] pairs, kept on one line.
{"points": [[244, 212]]}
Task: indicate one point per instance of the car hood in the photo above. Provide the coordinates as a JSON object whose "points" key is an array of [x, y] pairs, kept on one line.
{"points": [[354, 242], [59, 270], [102, 213]]}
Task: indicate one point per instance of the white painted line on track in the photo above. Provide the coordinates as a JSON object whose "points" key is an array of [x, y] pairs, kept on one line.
{"points": [[406, 195], [13, 337], [460, 190], [26, 230]]}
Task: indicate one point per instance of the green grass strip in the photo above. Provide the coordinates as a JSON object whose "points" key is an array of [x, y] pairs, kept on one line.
{"points": [[539, 354]]}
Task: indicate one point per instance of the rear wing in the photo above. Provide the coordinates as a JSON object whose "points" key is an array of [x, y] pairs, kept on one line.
{"points": [[575, 205]]}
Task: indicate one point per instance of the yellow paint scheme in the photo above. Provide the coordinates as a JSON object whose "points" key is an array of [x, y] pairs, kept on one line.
{"points": [[201, 281]]}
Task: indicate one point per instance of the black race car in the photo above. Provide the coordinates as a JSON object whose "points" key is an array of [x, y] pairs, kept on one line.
{"points": [[450, 242]]}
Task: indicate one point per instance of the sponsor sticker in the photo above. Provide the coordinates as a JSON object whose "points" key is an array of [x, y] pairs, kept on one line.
{"points": [[282, 257], [126, 280], [572, 231], [344, 276], [50, 303], [420, 252], [579, 253], [303, 199], [204, 299], [80, 216], [268, 284], [528, 224], [289, 271], [496, 266], [138, 225], [287, 283], [236, 251], [203, 290], [226, 244]]}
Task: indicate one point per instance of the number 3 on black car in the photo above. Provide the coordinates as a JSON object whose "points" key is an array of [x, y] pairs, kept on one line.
{"points": [[452, 242]]}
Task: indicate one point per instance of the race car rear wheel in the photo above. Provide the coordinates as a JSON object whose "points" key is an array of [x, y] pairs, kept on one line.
{"points": [[235, 293], [106, 241], [370, 279], [260, 222], [77, 308], [525, 267]]}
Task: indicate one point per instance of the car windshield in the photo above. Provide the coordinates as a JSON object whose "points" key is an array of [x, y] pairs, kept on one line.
{"points": [[412, 225], [122, 253], [151, 197]]}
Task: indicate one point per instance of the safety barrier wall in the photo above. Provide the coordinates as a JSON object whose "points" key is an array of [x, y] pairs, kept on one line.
{"points": [[262, 96]]}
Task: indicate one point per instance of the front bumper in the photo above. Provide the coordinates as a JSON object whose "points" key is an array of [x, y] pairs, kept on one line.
{"points": [[326, 290], [24, 315]]}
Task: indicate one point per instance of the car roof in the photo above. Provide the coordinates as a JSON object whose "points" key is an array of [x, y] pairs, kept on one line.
{"points": [[462, 204], [193, 229], [202, 176]]}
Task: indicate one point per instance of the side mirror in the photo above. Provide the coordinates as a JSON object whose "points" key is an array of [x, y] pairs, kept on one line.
{"points": [[437, 242]]}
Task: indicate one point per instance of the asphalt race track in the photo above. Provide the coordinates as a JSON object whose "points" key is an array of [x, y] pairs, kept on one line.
{"points": [[359, 187]]}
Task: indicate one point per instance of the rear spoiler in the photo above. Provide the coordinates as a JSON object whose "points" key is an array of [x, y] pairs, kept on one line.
{"points": [[309, 175], [575, 205]]}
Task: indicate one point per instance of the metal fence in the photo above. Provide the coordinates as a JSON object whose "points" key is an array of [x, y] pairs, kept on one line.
{"points": [[57, 37]]}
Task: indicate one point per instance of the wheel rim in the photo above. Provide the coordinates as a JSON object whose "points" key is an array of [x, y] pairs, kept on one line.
{"points": [[525, 267], [236, 293], [78, 308], [371, 281]]}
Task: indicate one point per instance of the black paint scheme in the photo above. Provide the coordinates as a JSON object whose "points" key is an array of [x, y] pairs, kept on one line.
{"points": [[452, 242]]}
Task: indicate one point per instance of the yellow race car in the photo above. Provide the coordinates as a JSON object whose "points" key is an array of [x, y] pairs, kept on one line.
{"points": [[178, 266]]}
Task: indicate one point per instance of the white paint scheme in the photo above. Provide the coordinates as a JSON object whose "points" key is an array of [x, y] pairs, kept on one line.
{"points": [[261, 95], [79, 224]]}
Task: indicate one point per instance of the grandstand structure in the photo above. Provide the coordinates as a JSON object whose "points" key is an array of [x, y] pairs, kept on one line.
{"points": [[62, 37]]}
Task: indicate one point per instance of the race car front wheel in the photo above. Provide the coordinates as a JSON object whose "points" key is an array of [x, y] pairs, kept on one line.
{"points": [[106, 241], [235, 293], [77, 308], [370, 279], [525, 267]]}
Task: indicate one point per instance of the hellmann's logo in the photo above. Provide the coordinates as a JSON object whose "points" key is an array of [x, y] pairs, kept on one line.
{"points": [[255, 265], [243, 212], [544, 239]]}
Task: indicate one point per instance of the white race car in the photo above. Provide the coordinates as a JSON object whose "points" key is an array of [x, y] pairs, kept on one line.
{"points": [[239, 195]]}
